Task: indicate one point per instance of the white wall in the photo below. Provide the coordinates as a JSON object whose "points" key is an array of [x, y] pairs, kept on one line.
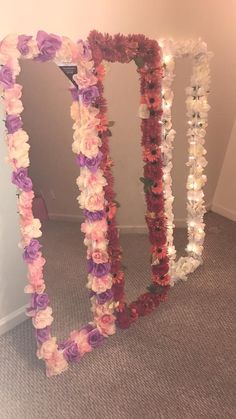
{"points": [[12, 268], [224, 202], [213, 20]]}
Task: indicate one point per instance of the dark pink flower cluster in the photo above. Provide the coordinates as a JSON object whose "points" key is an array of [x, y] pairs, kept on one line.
{"points": [[146, 54]]}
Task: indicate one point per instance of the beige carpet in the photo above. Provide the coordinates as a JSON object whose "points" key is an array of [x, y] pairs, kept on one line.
{"points": [[177, 363]]}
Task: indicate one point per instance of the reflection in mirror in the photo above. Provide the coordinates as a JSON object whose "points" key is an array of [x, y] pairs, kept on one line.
{"points": [[46, 117], [179, 173]]}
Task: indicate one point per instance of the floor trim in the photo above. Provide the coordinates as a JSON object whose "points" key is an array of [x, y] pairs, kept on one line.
{"points": [[12, 320], [225, 212]]}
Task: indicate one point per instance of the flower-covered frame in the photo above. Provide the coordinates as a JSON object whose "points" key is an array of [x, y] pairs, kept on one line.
{"points": [[60, 50], [147, 56], [197, 113]]}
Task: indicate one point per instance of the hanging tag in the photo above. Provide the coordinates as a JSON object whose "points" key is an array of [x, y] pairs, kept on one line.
{"points": [[69, 71]]}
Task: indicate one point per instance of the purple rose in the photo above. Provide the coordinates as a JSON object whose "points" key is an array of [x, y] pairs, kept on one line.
{"points": [[31, 251], [74, 93], [20, 179], [104, 296], [13, 123], [48, 45], [6, 77], [39, 301], [42, 335], [89, 94], [91, 164], [94, 216], [70, 351], [98, 269], [95, 338], [22, 44]]}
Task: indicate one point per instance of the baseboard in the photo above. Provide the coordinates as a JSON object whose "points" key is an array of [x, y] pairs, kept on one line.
{"points": [[66, 217], [12, 320], [142, 229], [225, 212]]}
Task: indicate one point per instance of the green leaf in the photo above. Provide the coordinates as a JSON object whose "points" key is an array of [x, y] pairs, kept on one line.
{"points": [[139, 61], [111, 123]]}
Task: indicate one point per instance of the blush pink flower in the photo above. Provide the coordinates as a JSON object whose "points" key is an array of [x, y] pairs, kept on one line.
{"points": [[100, 256], [43, 318], [47, 349], [30, 231], [85, 78], [56, 364], [99, 285], [81, 338], [35, 270], [8, 48], [93, 202], [106, 324], [38, 287], [25, 201], [89, 146]]}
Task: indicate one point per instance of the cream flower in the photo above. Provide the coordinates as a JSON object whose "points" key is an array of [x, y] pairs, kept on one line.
{"points": [[43, 318], [47, 349]]}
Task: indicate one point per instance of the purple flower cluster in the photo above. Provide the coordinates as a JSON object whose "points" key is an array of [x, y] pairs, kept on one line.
{"points": [[22, 44], [42, 335], [48, 45], [39, 301], [98, 269], [95, 338], [21, 180], [91, 164], [31, 251], [70, 351], [6, 77], [94, 216], [13, 123], [89, 94]]}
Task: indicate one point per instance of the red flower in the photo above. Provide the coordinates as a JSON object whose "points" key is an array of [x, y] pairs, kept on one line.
{"points": [[118, 292], [123, 319], [145, 304], [152, 171], [161, 269]]}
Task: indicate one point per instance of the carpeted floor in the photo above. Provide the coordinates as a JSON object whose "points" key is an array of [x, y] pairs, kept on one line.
{"points": [[178, 363]]}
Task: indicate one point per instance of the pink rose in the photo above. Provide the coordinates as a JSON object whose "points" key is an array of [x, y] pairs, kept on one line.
{"points": [[100, 256], [81, 338], [25, 200], [101, 284], [106, 324], [56, 364], [95, 202], [43, 318], [38, 287], [47, 348], [90, 145]]}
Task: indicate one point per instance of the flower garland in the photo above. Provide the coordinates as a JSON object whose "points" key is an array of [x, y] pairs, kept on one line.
{"points": [[197, 112], [91, 182], [146, 54]]}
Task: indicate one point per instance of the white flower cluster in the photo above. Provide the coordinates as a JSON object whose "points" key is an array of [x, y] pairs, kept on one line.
{"points": [[197, 113]]}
